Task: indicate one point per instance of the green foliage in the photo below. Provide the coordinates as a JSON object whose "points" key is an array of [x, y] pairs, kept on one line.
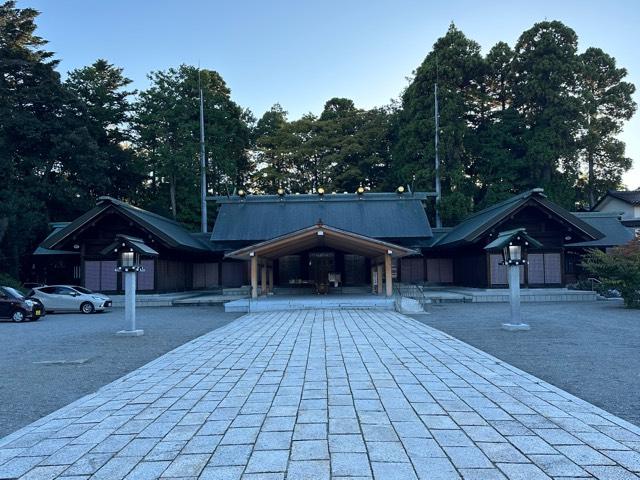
{"points": [[46, 151], [7, 280], [167, 139], [339, 150], [606, 103], [456, 65], [101, 87], [618, 269]]}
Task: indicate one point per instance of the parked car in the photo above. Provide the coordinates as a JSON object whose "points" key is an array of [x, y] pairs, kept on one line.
{"points": [[19, 308], [67, 298], [30, 285]]}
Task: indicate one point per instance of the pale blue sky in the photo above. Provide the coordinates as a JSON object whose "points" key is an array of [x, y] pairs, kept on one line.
{"points": [[301, 53]]}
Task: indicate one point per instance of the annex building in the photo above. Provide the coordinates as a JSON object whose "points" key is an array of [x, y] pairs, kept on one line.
{"points": [[325, 243]]}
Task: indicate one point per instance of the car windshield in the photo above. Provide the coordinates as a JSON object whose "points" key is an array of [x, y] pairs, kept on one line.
{"points": [[83, 290], [13, 292]]}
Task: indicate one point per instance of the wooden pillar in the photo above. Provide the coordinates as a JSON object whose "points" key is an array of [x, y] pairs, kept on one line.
{"points": [[373, 287], [379, 272], [270, 286], [388, 280], [254, 277], [263, 279]]}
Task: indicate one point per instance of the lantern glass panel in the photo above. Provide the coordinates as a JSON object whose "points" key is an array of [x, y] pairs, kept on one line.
{"points": [[128, 259], [515, 252]]}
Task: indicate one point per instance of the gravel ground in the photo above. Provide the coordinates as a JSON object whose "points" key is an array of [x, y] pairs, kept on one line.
{"points": [[48, 364], [591, 349]]}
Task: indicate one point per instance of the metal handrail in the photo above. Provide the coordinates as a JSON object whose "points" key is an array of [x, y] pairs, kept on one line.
{"points": [[593, 280]]}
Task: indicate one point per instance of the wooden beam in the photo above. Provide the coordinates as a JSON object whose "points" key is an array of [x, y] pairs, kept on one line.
{"points": [[270, 285], [388, 276], [254, 276], [379, 272]]}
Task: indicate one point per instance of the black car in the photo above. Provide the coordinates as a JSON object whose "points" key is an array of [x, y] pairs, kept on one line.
{"points": [[17, 307]]}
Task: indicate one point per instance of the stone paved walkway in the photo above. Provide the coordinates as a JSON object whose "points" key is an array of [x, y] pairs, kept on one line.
{"points": [[325, 394]]}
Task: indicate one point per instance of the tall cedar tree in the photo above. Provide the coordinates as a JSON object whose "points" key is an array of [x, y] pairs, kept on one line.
{"points": [[545, 92], [102, 89], [47, 154], [606, 103], [456, 65], [167, 130], [341, 149]]}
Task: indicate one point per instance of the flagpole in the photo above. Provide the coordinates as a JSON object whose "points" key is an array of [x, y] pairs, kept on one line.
{"points": [[203, 166]]}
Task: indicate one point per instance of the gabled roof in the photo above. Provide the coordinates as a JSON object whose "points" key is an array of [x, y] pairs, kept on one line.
{"points": [[169, 231], [505, 238], [55, 226], [321, 235], [475, 226], [377, 215], [609, 223], [632, 197], [135, 244]]}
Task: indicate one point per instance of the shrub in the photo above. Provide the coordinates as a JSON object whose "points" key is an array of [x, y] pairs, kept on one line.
{"points": [[618, 269], [7, 280]]}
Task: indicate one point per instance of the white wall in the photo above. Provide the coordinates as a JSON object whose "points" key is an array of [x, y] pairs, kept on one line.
{"points": [[611, 204]]}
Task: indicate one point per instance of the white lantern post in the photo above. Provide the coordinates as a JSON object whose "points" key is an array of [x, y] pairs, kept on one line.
{"points": [[130, 266], [513, 244]]}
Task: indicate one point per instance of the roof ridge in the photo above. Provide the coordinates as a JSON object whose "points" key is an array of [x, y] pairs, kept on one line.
{"points": [[115, 201], [507, 201], [597, 213]]}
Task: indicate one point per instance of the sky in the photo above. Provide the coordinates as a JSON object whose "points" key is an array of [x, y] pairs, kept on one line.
{"points": [[300, 53]]}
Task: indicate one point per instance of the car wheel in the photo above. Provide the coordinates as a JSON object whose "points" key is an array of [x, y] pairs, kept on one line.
{"points": [[87, 307], [18, 316]]}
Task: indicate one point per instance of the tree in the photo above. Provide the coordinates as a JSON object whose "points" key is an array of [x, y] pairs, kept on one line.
{"points": [[273, 154], [606, 103], [46, 150], [341, 149], [545, 95], [167, 138], [101, 87], [618, 269], [456, 65]]}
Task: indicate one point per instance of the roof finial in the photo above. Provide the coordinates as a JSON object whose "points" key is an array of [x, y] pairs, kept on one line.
{"points": [[319, 222]]}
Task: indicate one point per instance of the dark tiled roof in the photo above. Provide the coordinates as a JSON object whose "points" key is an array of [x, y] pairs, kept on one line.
{"points": [[376, 215], [474, 226], [170, 231], [632, 197], [615, 233]]}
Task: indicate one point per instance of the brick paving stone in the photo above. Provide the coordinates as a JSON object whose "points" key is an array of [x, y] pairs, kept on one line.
{"points": [[325, 394], [611, 473], [310, 450], [387, 452], [482, 474], [522, 471], [397, 471], [558, 466], [309, 470], [347, 443], [265, 461], [350, 464]]}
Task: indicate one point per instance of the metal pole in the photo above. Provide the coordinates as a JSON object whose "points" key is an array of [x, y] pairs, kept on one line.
{"points": [[437, 169], [203, 167], [516, 323], [130, 306], [514, 293]]}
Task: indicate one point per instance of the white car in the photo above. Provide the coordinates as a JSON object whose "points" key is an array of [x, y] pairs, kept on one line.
{"points": [[59, 298]]}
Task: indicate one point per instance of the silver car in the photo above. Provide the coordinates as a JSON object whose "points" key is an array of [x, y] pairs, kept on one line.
{"points": [[59, 298]]}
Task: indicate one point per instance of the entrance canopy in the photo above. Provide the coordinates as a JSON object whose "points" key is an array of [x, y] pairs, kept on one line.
{"points": [[321, 236]]}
